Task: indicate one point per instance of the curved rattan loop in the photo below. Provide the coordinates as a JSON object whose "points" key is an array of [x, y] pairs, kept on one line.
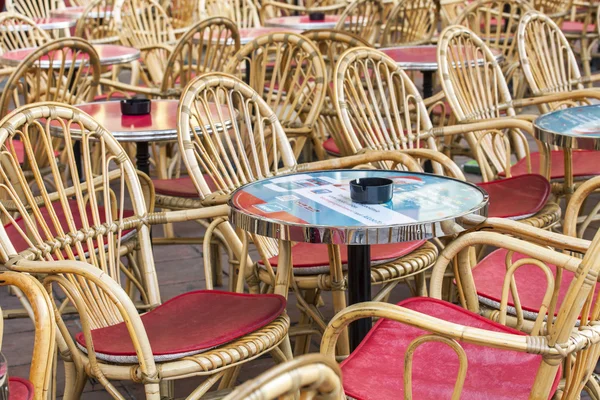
{"points": [[97, 23], [411, 22], [245, 13], [143, 23], [18, 31], [555, 9], [310, 376], [34, 8], [205, 47], [50, 74], [365, 18], [183, 13], [548, 63]]}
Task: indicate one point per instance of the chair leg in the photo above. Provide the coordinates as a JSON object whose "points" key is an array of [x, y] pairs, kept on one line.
{"points": [[74, 382], [230, 377], [167, 389], [152, 391], [302, 344], [215, 262], [421, 285]]}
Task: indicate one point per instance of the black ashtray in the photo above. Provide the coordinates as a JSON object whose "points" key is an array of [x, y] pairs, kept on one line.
{"points": [[135, 106], [371, 190], [317, 16]]}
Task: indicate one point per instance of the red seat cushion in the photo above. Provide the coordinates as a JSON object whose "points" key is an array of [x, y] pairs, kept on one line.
{"points": [[181, 187], [577, 26], [19, 389], [309, 258], [375, 369], [518, 197], [585, 163], [188, 324], [489, 274], [21, 244], [330, 147]]}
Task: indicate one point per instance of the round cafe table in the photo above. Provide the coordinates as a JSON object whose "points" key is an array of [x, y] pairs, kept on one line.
{"points": [[77, 12], [303, 22], [46, 24], [249, 34], [109, 54], [576, 128], [316, 207], [421, 58]]}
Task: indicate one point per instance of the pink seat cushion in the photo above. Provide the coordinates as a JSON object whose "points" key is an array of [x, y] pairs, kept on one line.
{"points": [[19, 389], [190, 324], [489, 274], [577, 26], [375, 369], [181, 187], [309, 258], [585, 163], [19, 242], [330, 147], [518, 197]]}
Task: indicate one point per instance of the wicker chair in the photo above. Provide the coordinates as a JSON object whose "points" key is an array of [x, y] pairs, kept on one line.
{"points": [[77, 250], [217, 167], [97, 24], [34, 8], [331, 45], [387, 113], [310, 377], [445, 351], [411, 22], [478, 91], [275, 9], [365, 18], [450, 10], [183, 13], [496, 22], [558, 10], [289, 72], [245, 13]]}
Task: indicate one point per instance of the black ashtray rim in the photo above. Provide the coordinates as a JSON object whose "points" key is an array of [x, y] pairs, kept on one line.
{"points": [[136, 106], [371, 190], [316, 16]]}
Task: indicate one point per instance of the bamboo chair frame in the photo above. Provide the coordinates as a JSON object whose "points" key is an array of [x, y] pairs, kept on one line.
{"points": [[365, 18], [386, 112], [479, 92], [245, 13], [558, 10], [34, 8], [309, 376], [183, 13], [411, 22], [97, 24], [450, 10], [332, 44], [275, 9], [289, 72], [92, 279], [44, 347], [248, 153]]}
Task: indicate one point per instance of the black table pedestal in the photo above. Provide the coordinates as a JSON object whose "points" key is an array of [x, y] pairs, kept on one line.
{"points": [[427, 84], [143, 157], [359, 289]]}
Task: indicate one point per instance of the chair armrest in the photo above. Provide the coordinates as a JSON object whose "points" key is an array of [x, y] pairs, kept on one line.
{"points": [[592, 93], [165, 217], [395, 157], [446, 162], [482, 125]]}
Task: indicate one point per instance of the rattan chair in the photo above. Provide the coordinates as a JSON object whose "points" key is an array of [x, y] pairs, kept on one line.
{"points": [[445, 351], [331, 45], [289, 72], [450, 10], [310, 377], [218, 164], [496, 22], [37, 387], [77, 249], [411, 22], [34, 8], [97, 24], [275, 9], [558, 10], [245, 13], [365, 18], [478, 91], [183, 13], [386, 112]]}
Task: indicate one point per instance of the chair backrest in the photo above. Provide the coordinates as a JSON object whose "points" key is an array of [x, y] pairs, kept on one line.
{"points": [[205, 47], [143, 23], [34, 8], [379, 106], [365, 18], [276, 9], [411, 22], [18, 32], [476, 89], [97, 24], [50, 74], [548, 62], [332, 44], [310, 376], [40, 371], [289, 72], [555, 9], [245, 13], [450, 10], [183, 13], [77, 214]]}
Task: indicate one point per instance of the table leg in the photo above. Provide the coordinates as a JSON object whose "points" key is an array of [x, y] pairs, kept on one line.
{"points": [[568, 182], [427, 84], [359, 289], [143, 157], [77, 156], [247, 74]]}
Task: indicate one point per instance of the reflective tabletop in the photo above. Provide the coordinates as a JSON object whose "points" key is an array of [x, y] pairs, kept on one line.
{"points": [[316, 207], [421, 58], [303, 22], [77, 12], [572, 128], [109, 54]]}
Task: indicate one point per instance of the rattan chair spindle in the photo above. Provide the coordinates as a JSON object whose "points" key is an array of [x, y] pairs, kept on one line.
{"points": [[411, 22]]}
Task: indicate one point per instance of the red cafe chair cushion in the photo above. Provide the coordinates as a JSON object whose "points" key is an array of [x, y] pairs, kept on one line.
{"points": [[189, 324], [585, 163], [489, 274], [21, 244], [375, 369], [517, 197], [310, 258], [577, 26], [19, 389], [330, 147], [181, 187]]}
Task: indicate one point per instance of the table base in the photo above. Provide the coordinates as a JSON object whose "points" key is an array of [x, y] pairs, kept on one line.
{"points": [[359, 289]]}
